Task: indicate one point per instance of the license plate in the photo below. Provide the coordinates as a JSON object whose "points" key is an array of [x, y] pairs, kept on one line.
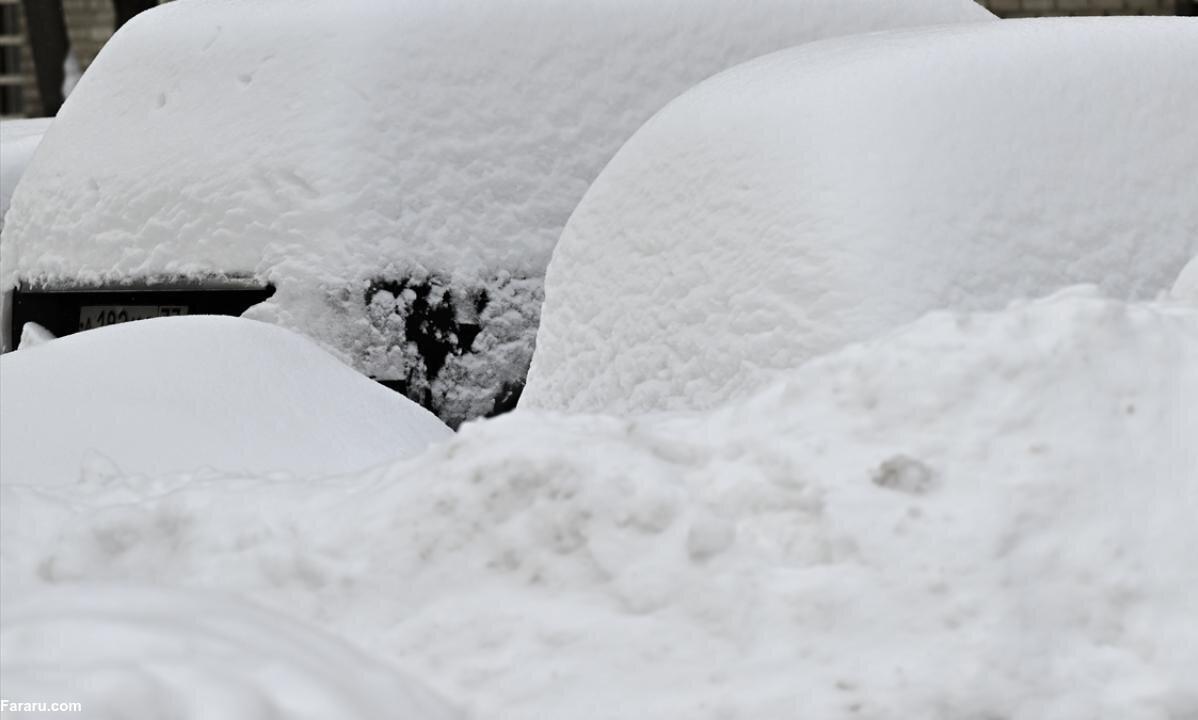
{"points": [[94, 316]]}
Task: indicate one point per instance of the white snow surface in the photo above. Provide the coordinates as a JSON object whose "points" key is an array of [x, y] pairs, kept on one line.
{"points": [[980, 515], [140, 652], [824, 194], [18, 141], [32, 335], [177, 394], [1185, 288], [320, 145]]}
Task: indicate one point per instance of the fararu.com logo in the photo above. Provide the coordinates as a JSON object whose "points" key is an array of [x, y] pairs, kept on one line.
{"points": [[38, 706]]}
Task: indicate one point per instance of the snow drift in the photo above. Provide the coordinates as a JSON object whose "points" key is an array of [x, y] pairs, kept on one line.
{"points": [[356, 153], [133, 652], [827, 193], [177, 394], [978, 515], [1186, 287]]}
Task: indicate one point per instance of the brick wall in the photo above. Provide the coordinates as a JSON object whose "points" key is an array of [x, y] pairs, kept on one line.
{"points": [[1037, 8]]}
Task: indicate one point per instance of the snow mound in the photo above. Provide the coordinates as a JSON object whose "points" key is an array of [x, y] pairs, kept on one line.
{"points": [[823, 194], [130, 652], [978, 515], [177, 394], [349, 150], [18, 141], [1185, 288]]}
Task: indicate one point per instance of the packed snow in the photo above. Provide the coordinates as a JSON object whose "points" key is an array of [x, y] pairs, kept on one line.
{"points": [[1186, 287], [140, 652], [980, 515], [840, 505], [177, 394], [333, 147], [825, 194], [18, 140]]}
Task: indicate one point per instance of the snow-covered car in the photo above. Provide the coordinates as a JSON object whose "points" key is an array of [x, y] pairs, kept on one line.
{"points": [[386, 177], [18, 141], [826, 194]]}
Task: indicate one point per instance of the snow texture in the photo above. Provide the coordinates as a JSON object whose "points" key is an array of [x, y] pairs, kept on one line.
{"points": [[137, 652], [330, 147], [980, 515], [827, 193], [1186, 287], [18, 140], [177, 394], [33, 335]]}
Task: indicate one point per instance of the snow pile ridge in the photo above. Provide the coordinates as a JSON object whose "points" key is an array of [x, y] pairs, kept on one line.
{"points": [[977, 515], [176, 394], [824, 194]]}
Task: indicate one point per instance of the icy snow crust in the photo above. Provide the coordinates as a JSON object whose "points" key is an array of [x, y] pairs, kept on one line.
{"points": [[827, 193], [323, 146], [136, 652], [979, 515], [176, 394]]}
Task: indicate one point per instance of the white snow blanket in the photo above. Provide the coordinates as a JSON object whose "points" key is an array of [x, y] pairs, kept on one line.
{"points": [[984, 515], [327, 146], [18, 141], [140, 652], [1186, 287], [177, 394], [827, 193]]}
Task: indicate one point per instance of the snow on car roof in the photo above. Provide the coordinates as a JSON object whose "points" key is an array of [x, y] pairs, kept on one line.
{"points": [[320, 144], [18, 141], [824, 194]]}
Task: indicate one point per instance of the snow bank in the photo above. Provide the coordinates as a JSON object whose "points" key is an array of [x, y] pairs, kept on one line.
{"points": [[1185, 288], [341, 149], [174, 394], [129, 652], [18, 140], [979, 515], [827, 193]]}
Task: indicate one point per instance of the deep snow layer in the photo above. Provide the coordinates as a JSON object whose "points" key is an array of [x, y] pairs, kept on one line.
{"points": [[18, 141], [323, 146], [1185, 289], [824, 194], [173, 394], [976, 516], [140, 652]]}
